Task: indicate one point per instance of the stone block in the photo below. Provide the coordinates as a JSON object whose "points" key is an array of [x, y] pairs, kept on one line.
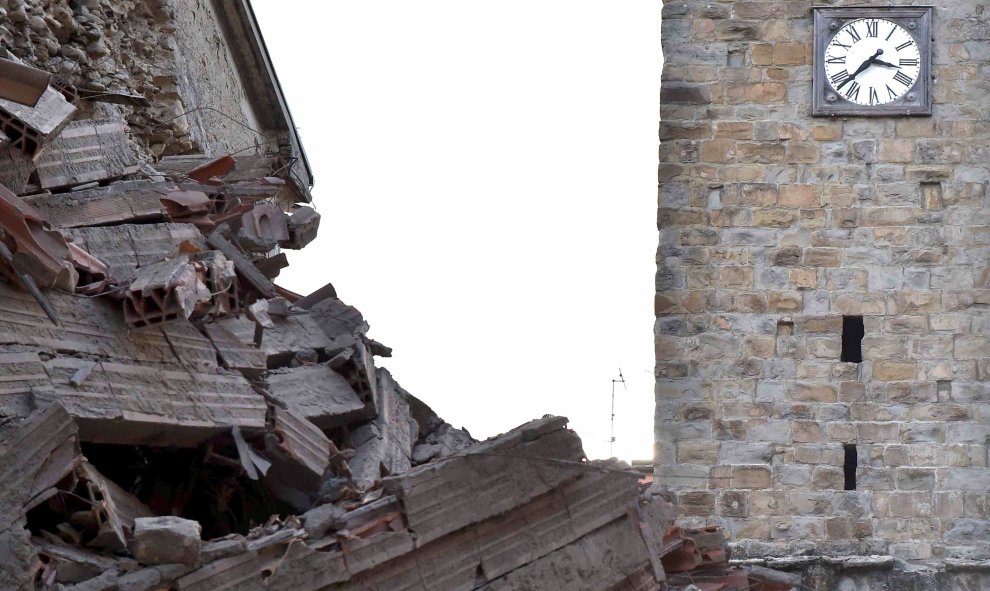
{"points": [[889, 371], [784, 302], [733, 503], [915, 478], [792, 476], [762, 92], [800, 196], [827, 478], [966, 479], [869, 432], [868, 478], [698, 452], [763, 503], [695, 503], [750, 477], [166, 540], [947, 505], [790, 54], [807, 392], [807, 432], [737, 452]]}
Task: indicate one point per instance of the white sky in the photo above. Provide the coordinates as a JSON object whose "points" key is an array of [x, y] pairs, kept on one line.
{"points": [[486, 173]]}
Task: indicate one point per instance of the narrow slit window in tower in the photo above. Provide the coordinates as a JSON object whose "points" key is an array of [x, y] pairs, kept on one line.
{"points": [[849, 466], [852, 339]]}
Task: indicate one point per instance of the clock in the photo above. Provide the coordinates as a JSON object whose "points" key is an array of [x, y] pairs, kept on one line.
{"points": [[872, 61]]}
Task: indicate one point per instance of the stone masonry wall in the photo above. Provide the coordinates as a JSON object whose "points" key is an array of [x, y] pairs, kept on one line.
{"points": [[170, 51], [773, 225]]}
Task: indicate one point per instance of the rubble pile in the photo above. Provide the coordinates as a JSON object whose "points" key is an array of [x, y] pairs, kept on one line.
{"points": [[698, 560], [173, 419]]}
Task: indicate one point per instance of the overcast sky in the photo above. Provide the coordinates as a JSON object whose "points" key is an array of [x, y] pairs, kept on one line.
{"points": [[486, 173]]}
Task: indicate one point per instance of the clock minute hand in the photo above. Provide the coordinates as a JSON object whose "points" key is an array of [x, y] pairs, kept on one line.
{"points": [[859, 70]]}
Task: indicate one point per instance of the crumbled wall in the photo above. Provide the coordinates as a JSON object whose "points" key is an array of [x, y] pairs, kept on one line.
{"points": [[169, 51], [773, 225]]}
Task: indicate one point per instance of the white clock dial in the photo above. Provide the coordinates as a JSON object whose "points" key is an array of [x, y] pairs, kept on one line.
{"points": [[872, 61]]}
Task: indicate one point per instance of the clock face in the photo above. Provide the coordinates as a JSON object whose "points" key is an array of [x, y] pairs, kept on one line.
{"points": [[872, 61]]}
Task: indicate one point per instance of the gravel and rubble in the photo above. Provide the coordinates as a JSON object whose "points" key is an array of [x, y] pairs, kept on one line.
{"points": [[172, 419]]}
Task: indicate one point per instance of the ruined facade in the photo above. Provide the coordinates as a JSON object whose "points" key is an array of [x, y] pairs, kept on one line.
{"points": [[823, 303], [171, 419]]}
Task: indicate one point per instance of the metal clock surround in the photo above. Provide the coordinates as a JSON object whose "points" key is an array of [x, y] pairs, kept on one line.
{"points": [[915, 20]]}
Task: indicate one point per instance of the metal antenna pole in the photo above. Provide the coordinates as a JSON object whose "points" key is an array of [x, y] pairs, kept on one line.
{"points": [[611, 439]]}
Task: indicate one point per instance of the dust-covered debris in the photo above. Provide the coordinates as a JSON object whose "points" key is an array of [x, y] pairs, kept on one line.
{"points": [[170, 418]]}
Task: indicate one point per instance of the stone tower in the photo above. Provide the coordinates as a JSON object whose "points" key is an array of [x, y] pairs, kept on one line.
{"points": [[822, 294]]}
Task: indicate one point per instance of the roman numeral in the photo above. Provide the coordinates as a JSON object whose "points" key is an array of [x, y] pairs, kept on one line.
{"points": [[840, 78], [874, 99], [837, 44], [872, 28], [852, 33], [903, 79], [907, 43], [910, 62], [838, 60], [890, 91], [891, 33], [852, 93]]}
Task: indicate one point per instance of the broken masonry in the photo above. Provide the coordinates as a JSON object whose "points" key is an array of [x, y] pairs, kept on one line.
{"points": [[173, 419]]}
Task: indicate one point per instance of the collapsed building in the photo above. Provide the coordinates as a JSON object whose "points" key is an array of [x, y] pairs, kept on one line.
{"points": [[172, 419]]}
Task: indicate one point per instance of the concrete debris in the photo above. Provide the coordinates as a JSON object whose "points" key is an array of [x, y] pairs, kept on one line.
{"points": [[693, 557], [170, 418], [262, 229], [86, 150], [304, 223], [29, 129], [166, 540], [194, 287]]}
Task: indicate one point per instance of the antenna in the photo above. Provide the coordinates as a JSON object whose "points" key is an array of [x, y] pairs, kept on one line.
{"points": [[611, 440]]}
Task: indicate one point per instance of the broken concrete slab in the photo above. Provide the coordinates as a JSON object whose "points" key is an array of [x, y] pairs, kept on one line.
{"points": [[72, 564], [15, 167], [135, 405], [112, 510], [233, 353], [597, 561], [290, 334], [84, 151], [344, 325], [126, 247], [304, 224], [21, 372], [122, 201], [437, 438], [166, 540], [30, 129], [491, 474], [299, 453], [38, 454], [318, 393], [262, 229], [494, 547], [384, 445]]}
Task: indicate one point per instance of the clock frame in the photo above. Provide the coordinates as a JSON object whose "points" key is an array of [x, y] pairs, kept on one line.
{"points": [[829, 21]]}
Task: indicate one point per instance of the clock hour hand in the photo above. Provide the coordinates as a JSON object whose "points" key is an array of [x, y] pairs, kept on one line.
{"points": [[860, 69], [883, 63]]}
